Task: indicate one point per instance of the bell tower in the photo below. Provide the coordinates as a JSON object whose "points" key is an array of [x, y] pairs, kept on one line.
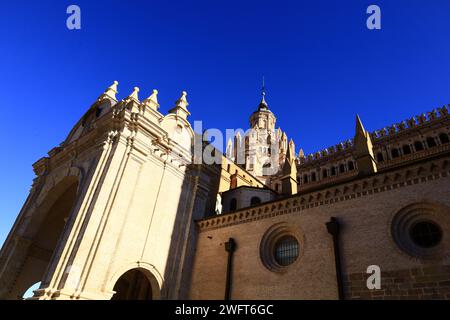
{"points": [[264, 144]]}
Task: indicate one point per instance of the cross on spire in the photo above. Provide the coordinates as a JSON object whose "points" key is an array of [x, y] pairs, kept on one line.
{"points": [[263, 90]]}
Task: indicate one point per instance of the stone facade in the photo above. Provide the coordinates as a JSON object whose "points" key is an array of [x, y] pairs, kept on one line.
{"points": [[122, 194], [122, 210]]}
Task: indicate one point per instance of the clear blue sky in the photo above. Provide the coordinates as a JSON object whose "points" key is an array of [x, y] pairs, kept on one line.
{"points": [[321, 64]]}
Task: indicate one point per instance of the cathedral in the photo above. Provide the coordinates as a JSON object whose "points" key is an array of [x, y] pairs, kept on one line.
{"points": [[129, 206]]}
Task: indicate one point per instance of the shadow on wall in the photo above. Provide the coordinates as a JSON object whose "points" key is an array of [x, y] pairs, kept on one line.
{"points": [[197, 201], [40, 238]]}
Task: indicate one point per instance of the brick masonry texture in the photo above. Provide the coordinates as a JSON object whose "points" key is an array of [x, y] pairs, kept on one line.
{"points": [[415, 283], [365, 240]]}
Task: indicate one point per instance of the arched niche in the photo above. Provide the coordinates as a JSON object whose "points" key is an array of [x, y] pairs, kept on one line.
{"points": [[43, 233]]}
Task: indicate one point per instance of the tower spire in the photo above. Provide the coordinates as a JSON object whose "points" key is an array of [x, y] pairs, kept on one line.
{"points": [[289, 179], [363, 150], [263, 90], [263, 104]]}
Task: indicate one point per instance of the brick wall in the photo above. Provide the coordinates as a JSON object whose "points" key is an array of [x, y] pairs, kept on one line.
{"points": [[365, 208], [417, 283]]}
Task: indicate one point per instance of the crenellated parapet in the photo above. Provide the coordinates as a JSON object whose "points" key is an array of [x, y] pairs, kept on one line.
{"points": [[411, 123], [414, 138], [326, 154], [389, 131]]}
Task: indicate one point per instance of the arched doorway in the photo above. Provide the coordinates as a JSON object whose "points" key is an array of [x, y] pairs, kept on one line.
{"points": [[45, 231], [134, 284]]}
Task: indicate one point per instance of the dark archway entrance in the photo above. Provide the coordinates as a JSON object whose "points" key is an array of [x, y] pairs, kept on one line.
{"points": [[46, 231], [133, 285]]}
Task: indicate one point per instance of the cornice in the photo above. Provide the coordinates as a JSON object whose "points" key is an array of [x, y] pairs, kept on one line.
{"points": [[119, 125], [410, 127], [378, 183]]}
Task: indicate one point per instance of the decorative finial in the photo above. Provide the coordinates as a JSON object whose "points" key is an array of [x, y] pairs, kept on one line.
{"points": [[110, 92], [132, 101], [290, 150], [134, 94], [113, 87], [182, 102], [152, 100], [180, 108], [301, 153], [291, 141]]}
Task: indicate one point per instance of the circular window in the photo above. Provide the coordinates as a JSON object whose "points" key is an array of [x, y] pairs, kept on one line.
{"points": [[425, 234], [420, 230], [286, 250], [281, 246]]}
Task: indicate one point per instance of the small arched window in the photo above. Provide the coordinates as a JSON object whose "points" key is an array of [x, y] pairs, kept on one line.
{"points": [[431, 142], [313, 176], [395, 153], [305, 178], [350, 165], [233, 204], [380, 157], [444, 138], [255, 201], [333, 171], [406, 149], [324, 173], [341, 168], [418, 146]]}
